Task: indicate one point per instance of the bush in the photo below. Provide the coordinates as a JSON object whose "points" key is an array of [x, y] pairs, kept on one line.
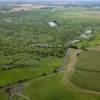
{"points": [[44, 74], [20, 81], [55, 71]]}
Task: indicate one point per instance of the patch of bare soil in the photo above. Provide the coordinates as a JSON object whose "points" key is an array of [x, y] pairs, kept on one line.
{"points": [[14, 90], [26, 7]]}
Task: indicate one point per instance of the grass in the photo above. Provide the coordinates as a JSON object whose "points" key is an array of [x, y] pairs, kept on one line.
{"points": [[89, 60], [3, 95], [87, 73], [44, 66], [90, 43], [53, 88], [18, 98], [87, 80]]}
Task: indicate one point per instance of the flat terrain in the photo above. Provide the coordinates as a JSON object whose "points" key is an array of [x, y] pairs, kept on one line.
{"points": [[52, 88], [87, 73]]}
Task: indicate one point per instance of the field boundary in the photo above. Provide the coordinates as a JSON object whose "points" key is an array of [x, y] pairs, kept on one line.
{"points": [[69, 70]]}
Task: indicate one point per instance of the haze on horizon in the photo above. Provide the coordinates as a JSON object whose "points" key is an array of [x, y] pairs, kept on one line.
{"points": [[50, 1]]}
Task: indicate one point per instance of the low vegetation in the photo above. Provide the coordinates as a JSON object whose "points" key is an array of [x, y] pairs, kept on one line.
{"points": [[87, 73], [53, 88]]}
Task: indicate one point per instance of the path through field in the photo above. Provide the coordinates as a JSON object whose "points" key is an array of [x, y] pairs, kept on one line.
{"points": [[69, 70]]}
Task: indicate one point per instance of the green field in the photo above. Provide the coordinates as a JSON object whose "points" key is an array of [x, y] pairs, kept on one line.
{"points": [[46, 65], [3, 95], [53, 88], [89, 60], [87, 73]]}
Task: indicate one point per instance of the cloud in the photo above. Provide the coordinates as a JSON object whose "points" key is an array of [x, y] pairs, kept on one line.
{"points": [[47, 0]]}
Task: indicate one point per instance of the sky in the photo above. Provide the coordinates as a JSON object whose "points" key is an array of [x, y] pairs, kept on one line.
{"points": [[48, 0]]}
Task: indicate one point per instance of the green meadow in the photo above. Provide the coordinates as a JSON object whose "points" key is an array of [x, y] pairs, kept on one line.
{"points": [[87, 73]]}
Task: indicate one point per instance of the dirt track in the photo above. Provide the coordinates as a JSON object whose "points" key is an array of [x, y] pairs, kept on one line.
{"points": [[69, 70]]}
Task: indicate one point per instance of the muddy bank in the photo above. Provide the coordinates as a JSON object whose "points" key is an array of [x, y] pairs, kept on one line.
{"points": [[14, 90]]}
